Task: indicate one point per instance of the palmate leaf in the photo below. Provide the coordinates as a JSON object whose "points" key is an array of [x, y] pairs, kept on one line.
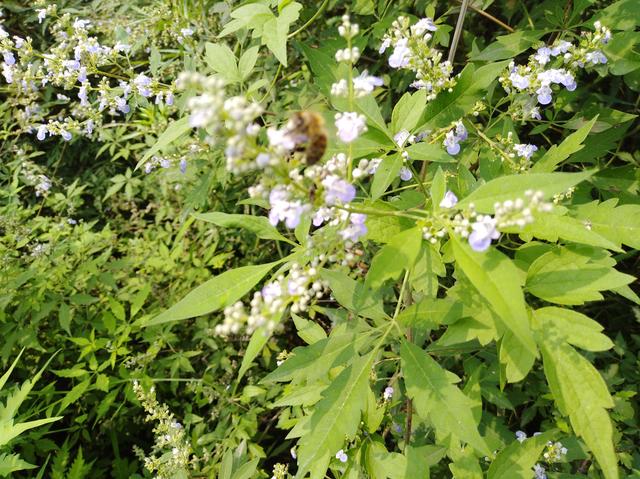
{"points": [[437, 399], [499, 282], [558, 153], [335, 417]]}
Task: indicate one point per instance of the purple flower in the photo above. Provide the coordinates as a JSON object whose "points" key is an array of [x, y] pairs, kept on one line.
{"points": [[356, 229], [282, 209], [338, 190], [42, 132], [544, 95], [451, 143], [449, 200], [405, 174], [183, 166], [9, 59], [482, 232]]}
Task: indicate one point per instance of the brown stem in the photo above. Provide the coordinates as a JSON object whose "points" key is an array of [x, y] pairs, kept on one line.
{"points": [[491, 17]]}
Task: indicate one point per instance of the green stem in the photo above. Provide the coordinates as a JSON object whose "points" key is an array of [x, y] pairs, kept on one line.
{"points": [[310, 21]]}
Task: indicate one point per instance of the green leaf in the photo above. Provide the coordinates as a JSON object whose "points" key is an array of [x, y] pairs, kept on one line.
{"points": [[550, 226], [620, 224], [258, 339], [581, 393], [499, 282], [221, 60], [437, 399], [369, 107], [516, 461], [11, 463], [258, 225], [275, 31], [573, 328], [558, 153], [429, 152], [72, 396], [408, 110], [429, 313], [511, 187], [174, 131], [354, 295], [567, 277], [335, 417], [247, 62], [385, 174], [312, 362], [215, 294], [308, 331], [397, 255], [508, 46], [451, 106]]}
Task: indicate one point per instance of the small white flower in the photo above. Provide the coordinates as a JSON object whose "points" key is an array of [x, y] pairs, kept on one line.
{"points": [[401, 55], [519, 81], [386, 43], [365, 83], [350, 126], [521, 436]]}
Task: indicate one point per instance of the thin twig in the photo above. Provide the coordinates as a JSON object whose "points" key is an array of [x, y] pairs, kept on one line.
{"points": [[458, 31], [491, 17]]}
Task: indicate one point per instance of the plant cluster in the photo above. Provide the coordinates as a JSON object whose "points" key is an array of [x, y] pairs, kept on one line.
{"points": [[349, 239]]}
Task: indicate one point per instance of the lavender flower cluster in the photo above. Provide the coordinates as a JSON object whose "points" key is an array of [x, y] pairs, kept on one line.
{"points": [[480, 230], [555, 64], [413, 50], [73, 65]]}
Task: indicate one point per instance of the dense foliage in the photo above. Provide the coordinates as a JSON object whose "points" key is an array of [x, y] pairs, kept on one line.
{"points": [[363, 238]]}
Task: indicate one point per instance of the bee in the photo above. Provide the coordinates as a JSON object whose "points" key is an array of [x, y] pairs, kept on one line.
{"points": [[307, 130]]}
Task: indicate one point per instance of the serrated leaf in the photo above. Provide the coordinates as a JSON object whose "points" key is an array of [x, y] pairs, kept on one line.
{"points": [[619, 224], [498, 281], [437, 399], [572, 327], [258, 225], [565, 277], [10, 463], [558, 153], [335, 417], [312, 362], [215, 294], [581, 393], [511, 187]]}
